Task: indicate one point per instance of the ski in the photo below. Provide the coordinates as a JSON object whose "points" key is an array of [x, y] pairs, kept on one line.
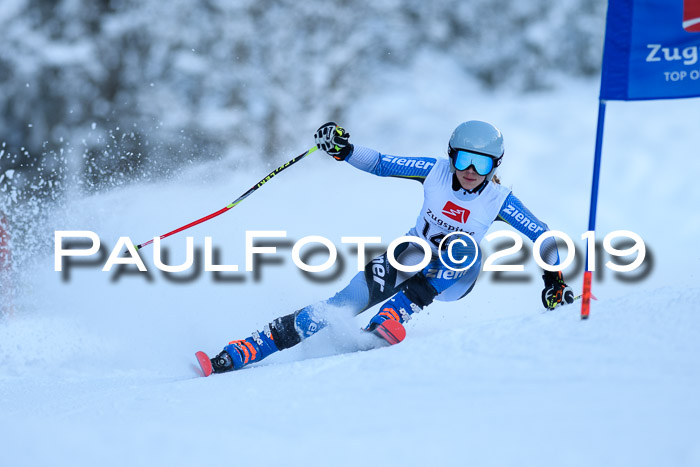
{"points": [[204, 363]]}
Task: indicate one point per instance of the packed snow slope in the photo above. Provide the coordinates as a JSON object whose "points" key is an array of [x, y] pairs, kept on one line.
{"points": [[98, 368]]}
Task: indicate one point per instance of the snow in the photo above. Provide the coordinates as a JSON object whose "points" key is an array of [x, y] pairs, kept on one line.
{"points": [[99, 369]]}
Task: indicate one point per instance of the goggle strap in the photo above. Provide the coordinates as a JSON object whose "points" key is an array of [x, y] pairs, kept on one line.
{"points": [[452, 151]]}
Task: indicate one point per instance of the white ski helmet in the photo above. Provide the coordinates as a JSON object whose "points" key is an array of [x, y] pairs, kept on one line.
{"points": [[480, 138]]}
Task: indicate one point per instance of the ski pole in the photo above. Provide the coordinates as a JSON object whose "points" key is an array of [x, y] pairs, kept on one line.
{"points": [[577, 297], [236, 202]]}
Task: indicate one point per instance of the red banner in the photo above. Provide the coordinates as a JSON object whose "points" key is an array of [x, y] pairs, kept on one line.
{"points": [[691, 15]]}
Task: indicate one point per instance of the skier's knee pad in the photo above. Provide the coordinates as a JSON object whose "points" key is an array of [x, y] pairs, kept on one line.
{"points": [[419, 291], [284, 332]]}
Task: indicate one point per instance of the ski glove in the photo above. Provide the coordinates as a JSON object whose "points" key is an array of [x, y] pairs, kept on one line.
{"points": [[555, 291], [334, 140]]}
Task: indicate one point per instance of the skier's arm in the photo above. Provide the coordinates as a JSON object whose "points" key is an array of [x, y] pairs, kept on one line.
{"points": [[514, 213], [335, 141], [384, 165]]}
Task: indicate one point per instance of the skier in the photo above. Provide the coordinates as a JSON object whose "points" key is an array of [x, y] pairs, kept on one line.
{"points": [[461, 195]]}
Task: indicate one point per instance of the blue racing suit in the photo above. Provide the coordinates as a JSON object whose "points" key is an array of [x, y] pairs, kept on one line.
{"points": [[447, 208]]}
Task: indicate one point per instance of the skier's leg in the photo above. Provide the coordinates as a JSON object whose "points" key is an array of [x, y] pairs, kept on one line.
{"points": [[415, 294], [288, 330], [366, 289], [304, 323], [435, 281]]}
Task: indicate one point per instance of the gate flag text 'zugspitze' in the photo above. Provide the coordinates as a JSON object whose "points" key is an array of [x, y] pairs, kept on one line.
{"points": [[652, 50]]}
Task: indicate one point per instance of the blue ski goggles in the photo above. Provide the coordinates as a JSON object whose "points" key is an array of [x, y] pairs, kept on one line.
{"points": [[462, 160]]}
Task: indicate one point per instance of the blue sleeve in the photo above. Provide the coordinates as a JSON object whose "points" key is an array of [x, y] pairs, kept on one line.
{"points": [[515, 214], [369, 160]]}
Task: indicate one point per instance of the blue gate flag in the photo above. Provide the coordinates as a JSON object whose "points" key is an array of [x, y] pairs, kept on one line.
{"points": [[652, 50]]}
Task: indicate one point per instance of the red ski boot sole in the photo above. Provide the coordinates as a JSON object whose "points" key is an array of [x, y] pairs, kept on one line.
{"points": [[391, 331], [204, 363]]}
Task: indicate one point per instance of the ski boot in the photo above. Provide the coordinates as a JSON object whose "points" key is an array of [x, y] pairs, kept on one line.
{"points": [[222, 362], [388, 323], [240, 353]]}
